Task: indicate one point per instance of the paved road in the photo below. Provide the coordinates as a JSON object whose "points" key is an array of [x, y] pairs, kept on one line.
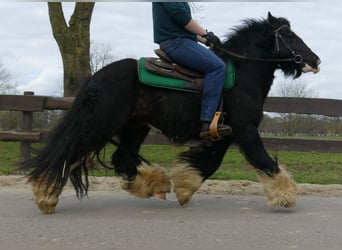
{"points": [[119, 221]]}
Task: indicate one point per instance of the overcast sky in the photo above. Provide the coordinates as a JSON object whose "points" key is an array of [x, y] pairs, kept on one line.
{"points": [[29, 52]]}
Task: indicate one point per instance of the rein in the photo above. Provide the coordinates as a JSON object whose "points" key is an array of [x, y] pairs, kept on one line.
{"points": [[296, 58]]}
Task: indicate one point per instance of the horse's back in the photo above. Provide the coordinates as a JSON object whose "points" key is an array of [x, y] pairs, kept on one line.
{"points": [[118, 70], [115, 79], [120, 66]]}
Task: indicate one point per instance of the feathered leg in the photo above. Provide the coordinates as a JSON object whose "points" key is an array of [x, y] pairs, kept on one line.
{"points": [[278, 185], [198, 164], [141, 179], [46, 193]]}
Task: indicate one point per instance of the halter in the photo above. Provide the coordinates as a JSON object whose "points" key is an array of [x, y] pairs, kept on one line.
{"points": [[296, 57]]}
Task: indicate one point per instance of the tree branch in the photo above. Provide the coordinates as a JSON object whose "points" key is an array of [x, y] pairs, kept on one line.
{"points": [[82, 14], [57, 19]]}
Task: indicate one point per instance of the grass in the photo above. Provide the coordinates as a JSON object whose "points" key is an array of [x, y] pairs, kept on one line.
{"points": [[306, 167], [9, 155]]}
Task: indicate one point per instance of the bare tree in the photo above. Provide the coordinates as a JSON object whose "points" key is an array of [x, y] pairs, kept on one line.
{"points": [[4, 78], [73, 40], [296, 123], [296, 89], [100, 55], [197, 10]]}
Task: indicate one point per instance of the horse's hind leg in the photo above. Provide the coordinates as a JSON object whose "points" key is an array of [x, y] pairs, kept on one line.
{"points": [[45, 196], [198, 164], [141, 179], [47, 191]]}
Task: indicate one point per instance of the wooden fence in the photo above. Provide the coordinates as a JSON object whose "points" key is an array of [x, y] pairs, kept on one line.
{"points": [[29, 103]]}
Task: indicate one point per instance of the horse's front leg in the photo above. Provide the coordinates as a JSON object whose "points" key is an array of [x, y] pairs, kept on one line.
{"points": [[278, 186]]}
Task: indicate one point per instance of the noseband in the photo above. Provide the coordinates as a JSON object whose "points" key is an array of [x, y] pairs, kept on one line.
{"points": [[278, 37]]}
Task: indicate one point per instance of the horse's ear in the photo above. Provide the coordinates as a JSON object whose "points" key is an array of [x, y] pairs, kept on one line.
{"points": [[270, 17], [272, 20]]}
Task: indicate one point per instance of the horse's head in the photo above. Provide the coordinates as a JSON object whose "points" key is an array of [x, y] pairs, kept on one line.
{"points": [[288, 45]]}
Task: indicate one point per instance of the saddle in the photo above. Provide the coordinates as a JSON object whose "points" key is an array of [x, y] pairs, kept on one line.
{"points": [[164, 65]]}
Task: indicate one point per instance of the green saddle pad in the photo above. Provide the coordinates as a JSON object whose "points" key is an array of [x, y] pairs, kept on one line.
{"points": [[152, 79]]}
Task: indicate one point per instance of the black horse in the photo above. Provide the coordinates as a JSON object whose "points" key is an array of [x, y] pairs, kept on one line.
{"points": [[114, 107]]}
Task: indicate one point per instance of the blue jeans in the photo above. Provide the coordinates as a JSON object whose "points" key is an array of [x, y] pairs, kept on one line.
{"points": [[191, 54]]}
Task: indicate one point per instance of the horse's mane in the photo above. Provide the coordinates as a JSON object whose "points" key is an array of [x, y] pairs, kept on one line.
{"points": [[241, 37], [255, 38], [246, 27]]}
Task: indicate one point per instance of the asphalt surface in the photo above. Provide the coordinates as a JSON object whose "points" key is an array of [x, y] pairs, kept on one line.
{"points": [[119, 221]]}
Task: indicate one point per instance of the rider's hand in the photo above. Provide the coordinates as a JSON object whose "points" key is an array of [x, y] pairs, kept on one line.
{"points": [[212, 40]]}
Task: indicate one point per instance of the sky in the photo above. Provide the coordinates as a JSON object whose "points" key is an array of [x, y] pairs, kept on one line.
{"points": [[30, 53]]}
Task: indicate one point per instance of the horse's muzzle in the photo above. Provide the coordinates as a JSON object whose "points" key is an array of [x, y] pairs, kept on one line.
{"points": [[314, 69]]}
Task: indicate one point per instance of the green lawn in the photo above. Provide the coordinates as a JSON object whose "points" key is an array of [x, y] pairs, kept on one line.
{"points": [[306, 167], [9, 155]]}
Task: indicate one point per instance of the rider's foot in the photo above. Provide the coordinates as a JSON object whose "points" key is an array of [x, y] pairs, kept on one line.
{"points": [[222, 129]]}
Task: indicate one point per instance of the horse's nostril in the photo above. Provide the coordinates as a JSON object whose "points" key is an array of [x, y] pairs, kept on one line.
{"points": [[318, 61]]}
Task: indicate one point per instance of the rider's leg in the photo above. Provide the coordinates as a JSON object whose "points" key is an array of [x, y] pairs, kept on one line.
{"points": [[189, 53]]}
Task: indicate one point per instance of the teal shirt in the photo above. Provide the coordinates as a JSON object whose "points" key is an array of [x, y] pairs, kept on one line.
{"points": [[169, 19]]}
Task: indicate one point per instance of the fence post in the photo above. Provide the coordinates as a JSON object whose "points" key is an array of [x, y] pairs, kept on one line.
{"points": [[26, 125]]}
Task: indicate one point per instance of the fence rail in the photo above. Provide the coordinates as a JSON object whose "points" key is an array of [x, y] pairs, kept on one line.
{"points": [[29, 103]]}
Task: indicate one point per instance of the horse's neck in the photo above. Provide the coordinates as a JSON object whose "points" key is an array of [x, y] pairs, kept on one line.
{"points": [[257, 76]]}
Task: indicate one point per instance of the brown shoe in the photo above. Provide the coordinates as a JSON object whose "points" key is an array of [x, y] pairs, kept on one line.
{"points": [[222, 130]]}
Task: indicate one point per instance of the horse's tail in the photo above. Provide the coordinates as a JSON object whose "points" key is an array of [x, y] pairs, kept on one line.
{"points": [[100, 109]]}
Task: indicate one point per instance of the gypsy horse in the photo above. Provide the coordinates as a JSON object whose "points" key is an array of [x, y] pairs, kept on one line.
{"points": [[113, 106]]}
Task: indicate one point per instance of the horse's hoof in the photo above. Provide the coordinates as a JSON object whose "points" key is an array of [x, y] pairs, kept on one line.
{"points": [[285, 201], [45, 198], [183, 196], [161, 196], [150, 181], [280, 189], [45, 202], [186, 182], [46, 208]]}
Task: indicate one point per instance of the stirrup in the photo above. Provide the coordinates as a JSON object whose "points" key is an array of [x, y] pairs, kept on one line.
{"points": [[214, 133]]}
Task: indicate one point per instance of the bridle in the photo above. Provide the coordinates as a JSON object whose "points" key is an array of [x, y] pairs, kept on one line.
{"points": [[278, 38], [296, 57]]}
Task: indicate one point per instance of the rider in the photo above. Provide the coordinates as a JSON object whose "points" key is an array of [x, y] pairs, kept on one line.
{"points": [[177, 34]]}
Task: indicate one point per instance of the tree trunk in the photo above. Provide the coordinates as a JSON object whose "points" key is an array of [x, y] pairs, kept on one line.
{"points": [[74, 43]]}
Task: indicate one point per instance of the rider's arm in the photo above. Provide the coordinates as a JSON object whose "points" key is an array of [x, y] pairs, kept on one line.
{"points": [[197, 29]]}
